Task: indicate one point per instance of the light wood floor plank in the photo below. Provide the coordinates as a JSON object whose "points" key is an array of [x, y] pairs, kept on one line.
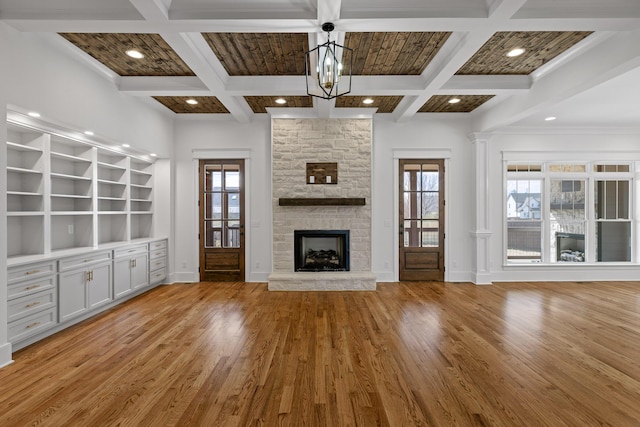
{"points": [[410, 354]]}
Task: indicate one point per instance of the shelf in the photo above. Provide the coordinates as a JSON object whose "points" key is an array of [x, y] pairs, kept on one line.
{"points": [[146, 187], [322, 201], [141, 213], [23, 170], [113, 198], [22, 193], [110, 166], [139, 172], [65, 176], [105, 181], [142, 200], [112, 213], [70, 196], [71, 213], [21, 147], [25, 213], [69, 157]]}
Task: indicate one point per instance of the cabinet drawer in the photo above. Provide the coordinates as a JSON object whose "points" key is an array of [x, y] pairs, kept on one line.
{"points": [[161, 244], [158, 263], [31, 325], [15, 274], [130, 250], [29, 287], [159, 253], [79, 261], [158, 275], [30, 304]]}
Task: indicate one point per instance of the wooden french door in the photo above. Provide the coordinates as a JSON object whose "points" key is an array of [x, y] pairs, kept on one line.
{"points": [[421, 220], [221, 206]]}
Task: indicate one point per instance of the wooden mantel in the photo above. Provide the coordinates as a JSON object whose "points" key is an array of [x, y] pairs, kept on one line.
{"points": [[322, 201]]}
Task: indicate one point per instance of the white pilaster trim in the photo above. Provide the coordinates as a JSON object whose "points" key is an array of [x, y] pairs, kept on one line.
{"points": [[481, 234]]}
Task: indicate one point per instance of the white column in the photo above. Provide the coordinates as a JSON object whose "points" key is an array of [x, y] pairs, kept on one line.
{"points": [[481, 234], [5, 347]]}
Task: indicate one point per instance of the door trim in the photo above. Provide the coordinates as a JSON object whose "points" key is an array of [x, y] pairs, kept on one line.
{"points": [[430, 154], [222, 154]]}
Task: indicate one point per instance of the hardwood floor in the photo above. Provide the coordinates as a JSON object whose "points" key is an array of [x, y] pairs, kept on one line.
{"points": [[410, 354]]}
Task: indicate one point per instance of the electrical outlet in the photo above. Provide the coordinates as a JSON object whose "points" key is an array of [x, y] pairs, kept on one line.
{"points": [[70, 228]]}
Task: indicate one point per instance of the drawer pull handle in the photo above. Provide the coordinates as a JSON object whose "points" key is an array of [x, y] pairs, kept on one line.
{"points": [[33, 304], [87, 260], [28, 288], [131, 250], [32, 272], [158, 263], [33, 325]]}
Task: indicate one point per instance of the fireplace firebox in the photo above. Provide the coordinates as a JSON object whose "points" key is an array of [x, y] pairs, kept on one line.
{"points": [[321, 250]]}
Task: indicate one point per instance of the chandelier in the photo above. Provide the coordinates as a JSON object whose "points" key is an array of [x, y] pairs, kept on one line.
{"points": [[328, 68]]}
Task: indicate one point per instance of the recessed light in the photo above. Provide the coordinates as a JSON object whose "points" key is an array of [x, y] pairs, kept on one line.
{"points": [[126, 145], [281, 101], [367, 101], [134, 54], [515, 52], [88, 132], [153, 154], [191, 101], [454, 100], [33, 114], [550, 119]]}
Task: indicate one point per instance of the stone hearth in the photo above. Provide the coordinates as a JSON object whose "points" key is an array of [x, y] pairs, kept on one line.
{"points": [[296, 142]]}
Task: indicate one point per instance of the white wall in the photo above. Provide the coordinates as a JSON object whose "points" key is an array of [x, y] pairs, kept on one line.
{"points": [[39, 75], [219, 139], [426, 136], [5, 348], [567, 146]]}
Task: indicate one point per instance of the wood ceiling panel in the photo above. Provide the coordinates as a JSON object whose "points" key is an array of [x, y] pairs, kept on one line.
{"points": [[260, 54], [385, 104], [259, 104], [205, 105], [394, 53], [440, 103], [541, 47], [109, 49]]}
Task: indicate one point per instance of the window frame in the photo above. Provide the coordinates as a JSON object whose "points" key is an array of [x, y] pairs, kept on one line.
{"points": [[590, 176]]}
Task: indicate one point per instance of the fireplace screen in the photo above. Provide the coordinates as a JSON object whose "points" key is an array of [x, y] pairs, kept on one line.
{"points": [[321, 250]]}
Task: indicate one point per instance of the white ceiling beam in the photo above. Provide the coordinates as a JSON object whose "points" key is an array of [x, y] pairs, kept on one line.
{"points": [[163, 86], [196, 53], [611, 58], [329, 11], [307, 26], [152, 10], [460, 85]]}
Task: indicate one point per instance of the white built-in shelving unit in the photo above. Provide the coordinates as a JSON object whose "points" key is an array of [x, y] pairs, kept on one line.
{"points": [[66, 193]]}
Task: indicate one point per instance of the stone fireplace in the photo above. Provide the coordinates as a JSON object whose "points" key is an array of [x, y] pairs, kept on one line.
{"points": [[295, 144]]}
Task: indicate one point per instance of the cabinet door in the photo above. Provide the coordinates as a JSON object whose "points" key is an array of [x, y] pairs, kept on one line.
{"points": [[122, 277], [73, 294], [100, 285], [140, 271]]}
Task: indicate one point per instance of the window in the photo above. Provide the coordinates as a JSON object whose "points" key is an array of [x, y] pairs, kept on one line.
{"points": [[568, 212]]}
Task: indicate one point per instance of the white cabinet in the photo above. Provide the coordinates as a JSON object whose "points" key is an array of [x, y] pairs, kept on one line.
{"points": [[31, 299], [157, 261], [84, 283], [131, 270]]}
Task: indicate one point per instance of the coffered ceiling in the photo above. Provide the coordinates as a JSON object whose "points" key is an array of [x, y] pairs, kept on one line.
{"points": [[411, 57]]}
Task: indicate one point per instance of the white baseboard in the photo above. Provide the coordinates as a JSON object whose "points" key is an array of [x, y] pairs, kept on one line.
{"points": [[5, 355], [481, 279], [186, 276]]}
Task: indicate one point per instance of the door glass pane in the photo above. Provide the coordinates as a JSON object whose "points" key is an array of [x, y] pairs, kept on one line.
{"points": [[212, 234], [212, 178], [232, 234], [411, 203], [623, 199], [430, 180], [231, 177], [213, 206], [430, 206], [233, 205]]}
